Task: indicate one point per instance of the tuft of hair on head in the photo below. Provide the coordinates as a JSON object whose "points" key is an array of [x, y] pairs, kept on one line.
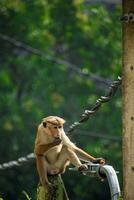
{"points": [[53, 120]]}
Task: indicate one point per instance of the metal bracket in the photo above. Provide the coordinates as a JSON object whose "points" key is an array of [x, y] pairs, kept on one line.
{"points": [[128, 17], [104, 172]]}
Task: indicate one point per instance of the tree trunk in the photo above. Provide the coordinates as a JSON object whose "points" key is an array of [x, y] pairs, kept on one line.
{"points": [[128, 103], [57, 192]]}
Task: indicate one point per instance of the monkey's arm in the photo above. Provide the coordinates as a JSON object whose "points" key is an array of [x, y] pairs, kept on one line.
{"points": [[40, 149], [87, 157], [42, 170], [83, 155]]}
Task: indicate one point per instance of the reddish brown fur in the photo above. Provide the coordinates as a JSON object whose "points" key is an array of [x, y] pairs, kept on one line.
{"points": [[54, 150]]}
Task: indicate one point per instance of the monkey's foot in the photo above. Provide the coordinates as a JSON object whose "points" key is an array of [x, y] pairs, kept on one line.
{"points": [[83, 168], [99, 161]]}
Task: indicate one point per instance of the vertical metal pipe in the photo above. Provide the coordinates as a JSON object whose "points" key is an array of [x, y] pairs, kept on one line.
{"points": [[112, 180], [104, 171]]}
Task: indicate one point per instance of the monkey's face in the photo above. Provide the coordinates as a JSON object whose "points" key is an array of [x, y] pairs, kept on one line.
{"points": [[54, 130]]}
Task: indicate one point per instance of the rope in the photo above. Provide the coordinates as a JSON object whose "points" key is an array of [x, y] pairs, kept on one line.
{"points": [[67, 64], [128, 17], [85, 116], [18, 162], [103, 99]]}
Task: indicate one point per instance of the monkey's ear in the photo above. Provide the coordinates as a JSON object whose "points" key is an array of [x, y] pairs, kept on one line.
{"points": [[44, 124]]}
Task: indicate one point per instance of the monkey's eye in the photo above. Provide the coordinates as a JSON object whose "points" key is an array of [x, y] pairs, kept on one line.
{"points": [[55, 127]]}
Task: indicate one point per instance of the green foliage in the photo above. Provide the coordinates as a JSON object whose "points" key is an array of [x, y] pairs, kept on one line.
{"points": [[26, 195], [31, 87], [120, 198]]}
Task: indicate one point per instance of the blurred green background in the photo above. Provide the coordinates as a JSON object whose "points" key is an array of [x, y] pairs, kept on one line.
{"points": [[87, 37]]}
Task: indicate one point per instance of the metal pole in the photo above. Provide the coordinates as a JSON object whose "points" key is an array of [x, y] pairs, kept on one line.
{"points": [[112, 180], [104, 171]]}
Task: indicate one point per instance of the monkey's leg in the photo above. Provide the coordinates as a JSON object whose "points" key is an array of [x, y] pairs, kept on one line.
{"points": [[66, 155]]}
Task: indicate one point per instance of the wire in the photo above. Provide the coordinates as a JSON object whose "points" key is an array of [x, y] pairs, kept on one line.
{"points": [[98, 135], [103, 99], [67, 64]]}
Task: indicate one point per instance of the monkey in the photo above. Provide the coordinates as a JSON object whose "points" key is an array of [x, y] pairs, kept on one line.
{"points": [[54, 150]]}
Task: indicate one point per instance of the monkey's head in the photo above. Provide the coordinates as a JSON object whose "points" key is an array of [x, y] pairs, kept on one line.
{"points": [[53, 126]]}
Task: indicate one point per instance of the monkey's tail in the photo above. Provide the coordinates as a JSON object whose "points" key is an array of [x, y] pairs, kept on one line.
{"points": [[65, 192]]}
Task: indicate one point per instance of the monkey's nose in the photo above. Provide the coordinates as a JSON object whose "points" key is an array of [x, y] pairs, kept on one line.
{"points": [[57, 137]]}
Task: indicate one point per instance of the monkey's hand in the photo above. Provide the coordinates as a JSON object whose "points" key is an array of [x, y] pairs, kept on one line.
{"points": [[83, 168], [41, 149], [99, 161], [47, 185], [57, 141]]}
